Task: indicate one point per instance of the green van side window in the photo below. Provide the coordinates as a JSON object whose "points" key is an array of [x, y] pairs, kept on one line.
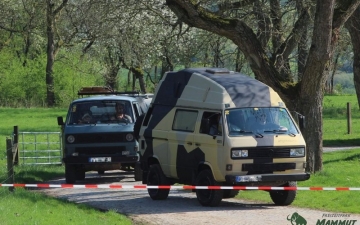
{"points": [[185, 120]]}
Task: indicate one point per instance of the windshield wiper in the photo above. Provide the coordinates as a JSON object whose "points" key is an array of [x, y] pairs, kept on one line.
{"points": [[258, 135], [276, 131], [245, 132], [281, 132]]}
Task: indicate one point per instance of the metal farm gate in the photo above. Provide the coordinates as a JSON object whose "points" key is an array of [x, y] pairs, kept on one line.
{"points": [[40, 148]]}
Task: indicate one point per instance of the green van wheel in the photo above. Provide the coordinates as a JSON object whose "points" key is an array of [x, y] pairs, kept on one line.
{"points": [[156, 177], [70, 174]]}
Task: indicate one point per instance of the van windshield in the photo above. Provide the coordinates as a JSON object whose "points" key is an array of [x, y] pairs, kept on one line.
{"points": [[274, 120], [91, 112]]}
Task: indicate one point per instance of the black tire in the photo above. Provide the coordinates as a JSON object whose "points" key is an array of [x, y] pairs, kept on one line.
{"points": [[230, 193], [284, 198], [156, 177], [80, 174], [137, 126], [70, 174], [101, 172], [208, 197], [138, 172]]}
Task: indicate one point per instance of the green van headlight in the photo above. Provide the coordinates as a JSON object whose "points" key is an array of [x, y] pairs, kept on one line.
{"points": [[129, 137], [70, 139]]}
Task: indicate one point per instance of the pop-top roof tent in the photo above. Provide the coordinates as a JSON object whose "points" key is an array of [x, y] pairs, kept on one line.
{"points": [[214, 88]]}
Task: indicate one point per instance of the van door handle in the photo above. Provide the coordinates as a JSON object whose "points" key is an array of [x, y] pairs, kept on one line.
{"points": [[197, 144], [189, 143]]}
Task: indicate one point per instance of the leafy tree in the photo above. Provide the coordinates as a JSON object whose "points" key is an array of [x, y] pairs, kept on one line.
{"points": [[271, 66]]}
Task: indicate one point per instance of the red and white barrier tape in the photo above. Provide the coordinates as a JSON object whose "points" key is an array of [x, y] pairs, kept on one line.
{"points": [[186, 187]]}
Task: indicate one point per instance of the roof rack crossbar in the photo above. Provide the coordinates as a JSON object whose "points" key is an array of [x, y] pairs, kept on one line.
{"points": [[110, 93]]}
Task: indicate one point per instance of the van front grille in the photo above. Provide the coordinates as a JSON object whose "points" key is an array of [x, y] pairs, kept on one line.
{"points": [[100, 138]]}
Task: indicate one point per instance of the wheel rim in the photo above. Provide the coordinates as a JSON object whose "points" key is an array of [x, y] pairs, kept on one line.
{"points": [[154, 180], [205, 193]]}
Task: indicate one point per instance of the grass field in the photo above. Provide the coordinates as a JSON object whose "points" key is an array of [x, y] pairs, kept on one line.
{"points": [[340, 169], [335, 123]]}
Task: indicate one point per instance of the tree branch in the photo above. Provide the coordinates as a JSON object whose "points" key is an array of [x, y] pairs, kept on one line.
{"points": [[344, 11]]}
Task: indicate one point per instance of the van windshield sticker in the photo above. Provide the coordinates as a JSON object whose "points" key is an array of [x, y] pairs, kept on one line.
{"points": [[74, 108]]}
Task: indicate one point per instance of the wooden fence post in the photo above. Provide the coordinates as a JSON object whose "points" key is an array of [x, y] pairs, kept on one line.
{"points": [[16, 141], [349, 117], [10, 164]]}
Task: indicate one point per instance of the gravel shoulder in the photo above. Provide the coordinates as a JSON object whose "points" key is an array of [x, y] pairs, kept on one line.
{"points": [[181, 207]]}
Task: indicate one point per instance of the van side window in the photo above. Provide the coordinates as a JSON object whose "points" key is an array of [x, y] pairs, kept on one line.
{"points": [[211, 123], [185, 120], [136, 109]]}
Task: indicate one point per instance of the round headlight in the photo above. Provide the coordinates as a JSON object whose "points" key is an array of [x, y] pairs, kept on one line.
{"points": [[70, 139], [129, 137]]}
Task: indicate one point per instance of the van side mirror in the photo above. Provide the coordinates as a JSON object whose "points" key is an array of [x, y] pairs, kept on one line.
{"points": [[205, 126], [301, 120], [60, 121]]}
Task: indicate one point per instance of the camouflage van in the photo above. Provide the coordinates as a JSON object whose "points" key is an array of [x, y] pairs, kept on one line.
{"points": [[94, 139], [214, 127]]}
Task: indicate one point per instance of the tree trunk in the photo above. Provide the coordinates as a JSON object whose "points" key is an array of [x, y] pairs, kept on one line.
{"points": [[128, 77], [50, 30], [335, 65], [353, 26], [313, 83], [51, 49], [139, 74], [111, 79]]}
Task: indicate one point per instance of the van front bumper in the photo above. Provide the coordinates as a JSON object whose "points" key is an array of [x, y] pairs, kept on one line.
{"points": [[255, 178]]}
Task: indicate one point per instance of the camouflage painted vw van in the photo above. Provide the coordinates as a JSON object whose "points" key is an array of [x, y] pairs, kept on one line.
{"points": [[211, 126], [95, 138]]}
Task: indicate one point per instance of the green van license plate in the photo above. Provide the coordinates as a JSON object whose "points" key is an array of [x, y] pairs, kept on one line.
{"points": [[100, 159]]}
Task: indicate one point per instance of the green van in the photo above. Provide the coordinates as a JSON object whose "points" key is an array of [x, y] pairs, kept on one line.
{"points": [[95, 138]]}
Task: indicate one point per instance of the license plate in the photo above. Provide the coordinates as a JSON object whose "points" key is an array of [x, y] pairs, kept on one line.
{"points": [[100, 159]]}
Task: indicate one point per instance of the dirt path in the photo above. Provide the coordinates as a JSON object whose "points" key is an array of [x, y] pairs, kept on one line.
{"points": [[181, 207]]}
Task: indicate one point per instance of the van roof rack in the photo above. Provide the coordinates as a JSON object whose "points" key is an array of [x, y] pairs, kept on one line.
{"points": [[103, 90]]}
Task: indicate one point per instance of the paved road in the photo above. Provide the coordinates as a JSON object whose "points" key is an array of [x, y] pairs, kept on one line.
{"points": [[181, 207]]}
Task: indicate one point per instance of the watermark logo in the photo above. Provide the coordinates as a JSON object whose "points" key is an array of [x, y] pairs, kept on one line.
{"points": [[330, 220], [327, 219], [296, 219]]}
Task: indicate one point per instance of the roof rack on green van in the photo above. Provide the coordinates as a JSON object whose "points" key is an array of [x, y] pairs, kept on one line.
{"points": [[104, 90]]}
